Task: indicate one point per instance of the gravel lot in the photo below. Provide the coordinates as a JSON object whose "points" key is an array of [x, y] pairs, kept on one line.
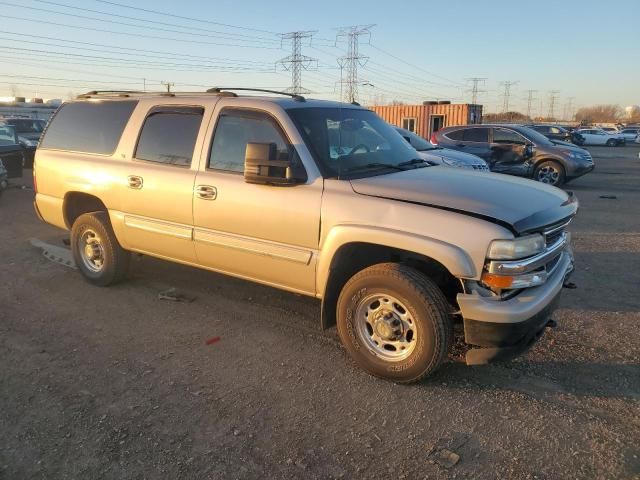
{"points": [[115, 383]]}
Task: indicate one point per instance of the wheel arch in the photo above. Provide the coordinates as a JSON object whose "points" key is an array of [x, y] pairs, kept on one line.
{"points": [[339, 261], [79, 203]]}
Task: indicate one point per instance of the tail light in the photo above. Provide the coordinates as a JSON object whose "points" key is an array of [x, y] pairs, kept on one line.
{"points": [[433, 139]]}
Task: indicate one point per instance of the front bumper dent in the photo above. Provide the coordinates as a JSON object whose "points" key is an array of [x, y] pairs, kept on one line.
{"points": [[506, 329]]}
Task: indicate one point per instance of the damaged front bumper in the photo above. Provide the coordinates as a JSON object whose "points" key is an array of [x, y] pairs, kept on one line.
{"points": [[504, 329]]}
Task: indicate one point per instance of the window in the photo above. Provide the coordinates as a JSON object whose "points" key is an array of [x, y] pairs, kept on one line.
{"points": [[169, 135], [88, 127], [237, 128], [456, 135], [542, 128], [502, 135], [555, 130], [409, 124], [8, 135], [351, 141], [479, 135]]}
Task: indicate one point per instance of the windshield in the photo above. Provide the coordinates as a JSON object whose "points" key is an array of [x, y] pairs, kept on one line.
{"points": [[27, 125], [534, 136], [346, 140], [416, 141], [7, 135]]}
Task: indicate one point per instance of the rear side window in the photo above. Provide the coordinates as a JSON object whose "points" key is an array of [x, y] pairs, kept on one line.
{"points": [[476, 135], [88, 127], [456, 135], [169, 135]]}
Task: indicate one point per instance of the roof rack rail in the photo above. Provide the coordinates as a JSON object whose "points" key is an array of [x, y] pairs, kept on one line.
{"points": [[295, 96], [127, 93]]}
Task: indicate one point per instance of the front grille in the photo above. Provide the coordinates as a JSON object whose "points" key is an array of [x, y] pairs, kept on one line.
{"points": [[480, 167]]}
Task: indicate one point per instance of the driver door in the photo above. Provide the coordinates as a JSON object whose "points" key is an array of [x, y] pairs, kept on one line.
{"points": [[509, 152]]}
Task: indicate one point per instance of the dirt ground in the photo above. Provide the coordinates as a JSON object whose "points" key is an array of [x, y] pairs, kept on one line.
{"points": [[114, 383]]}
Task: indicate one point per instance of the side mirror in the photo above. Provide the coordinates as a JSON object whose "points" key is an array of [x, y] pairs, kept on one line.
{"points": [[261, 166]]}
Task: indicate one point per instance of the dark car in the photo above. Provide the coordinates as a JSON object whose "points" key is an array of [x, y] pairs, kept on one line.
{"points": [[11, 153], [518, 150], [28, 131], [553, 132]]}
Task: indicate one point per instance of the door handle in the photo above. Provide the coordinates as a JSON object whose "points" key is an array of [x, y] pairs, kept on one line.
{"points": [[206, 192], [134, 181]]}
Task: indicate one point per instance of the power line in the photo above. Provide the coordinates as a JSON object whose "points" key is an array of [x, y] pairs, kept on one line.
{"points": [[507, 94], [476, 81], [352, 60], [173, 15], [191, 27], [417, 67], [296, 62], [127, 51], [95, 19], [154, 37]]}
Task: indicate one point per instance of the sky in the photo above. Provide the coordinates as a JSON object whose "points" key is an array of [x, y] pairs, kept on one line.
{"points": [[587, 52]]}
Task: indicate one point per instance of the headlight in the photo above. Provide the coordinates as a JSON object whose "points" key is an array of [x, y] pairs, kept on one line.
{"points": [[514, 249], [572, 154]]}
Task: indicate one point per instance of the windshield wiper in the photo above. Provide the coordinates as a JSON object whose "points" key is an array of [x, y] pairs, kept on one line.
{"points": [[416, 161], [369, 166]]}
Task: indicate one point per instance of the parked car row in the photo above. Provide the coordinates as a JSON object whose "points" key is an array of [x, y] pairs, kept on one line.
{"points": [[518, 150]]}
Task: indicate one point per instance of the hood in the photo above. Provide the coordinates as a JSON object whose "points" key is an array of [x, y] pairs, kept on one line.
{"points": [[570, 146], [30, 136], [520, 205]]}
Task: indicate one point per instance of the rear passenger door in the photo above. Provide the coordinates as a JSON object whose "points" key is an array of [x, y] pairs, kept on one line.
{"points": [[158, 198], [474, 140]]}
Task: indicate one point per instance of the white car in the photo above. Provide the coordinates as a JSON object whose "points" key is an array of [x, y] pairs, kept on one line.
{"points": [[638, 138], [597, 136], [630, 133], [612, 130]]}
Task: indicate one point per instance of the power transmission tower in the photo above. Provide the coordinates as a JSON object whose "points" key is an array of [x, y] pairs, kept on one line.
{"points": [[350, 62], [530, 100], [296, 62], [553, 96], [507, 94], [476, 81], [167, 84], [568, 109]]}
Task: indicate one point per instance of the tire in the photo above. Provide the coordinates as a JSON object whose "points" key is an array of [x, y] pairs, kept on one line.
{"points": [[396, 289], [551, 173], [612, 143], [96, 251]]}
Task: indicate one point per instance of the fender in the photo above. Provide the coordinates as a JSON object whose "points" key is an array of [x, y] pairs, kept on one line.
{"points": [[454, 259]]}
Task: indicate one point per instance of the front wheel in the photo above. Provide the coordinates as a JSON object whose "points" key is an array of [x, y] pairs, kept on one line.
{"points": [[551, 173], [96, 251], [612, 143], [394, 322]]}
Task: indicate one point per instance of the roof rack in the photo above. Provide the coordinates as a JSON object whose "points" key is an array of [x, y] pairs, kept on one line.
{"points": [[219, 90]]}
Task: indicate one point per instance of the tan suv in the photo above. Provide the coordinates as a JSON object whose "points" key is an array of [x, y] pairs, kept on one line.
{"points": [[319, 198]]}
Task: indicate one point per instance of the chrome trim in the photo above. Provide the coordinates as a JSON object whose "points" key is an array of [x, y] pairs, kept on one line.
{"points": [[526, 265], [555, 229]]}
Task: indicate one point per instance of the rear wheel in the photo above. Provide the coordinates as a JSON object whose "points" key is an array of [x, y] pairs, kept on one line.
{"points": [[612, 142], [394, 322], [551, 173], [96, 251]]}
